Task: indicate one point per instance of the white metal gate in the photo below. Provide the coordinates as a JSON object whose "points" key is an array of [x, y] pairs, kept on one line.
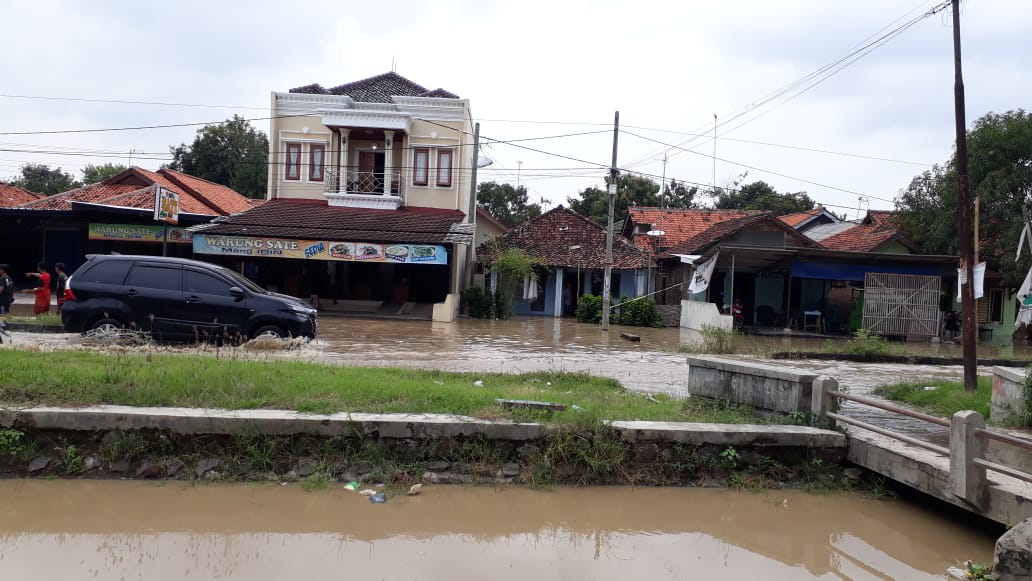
{"points": [[901, 305]]}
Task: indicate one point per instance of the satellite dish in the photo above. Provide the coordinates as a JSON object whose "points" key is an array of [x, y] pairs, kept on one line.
{"points": [[655, 233]]}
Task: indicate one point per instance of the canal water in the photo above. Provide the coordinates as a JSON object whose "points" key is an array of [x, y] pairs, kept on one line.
{"points": [[74, 530]]}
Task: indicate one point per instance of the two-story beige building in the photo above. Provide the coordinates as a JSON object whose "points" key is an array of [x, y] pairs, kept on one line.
{"points": [[368, 199]]}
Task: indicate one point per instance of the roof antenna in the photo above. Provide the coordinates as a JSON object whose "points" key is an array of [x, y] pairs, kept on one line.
{"points": [[394, 65]]}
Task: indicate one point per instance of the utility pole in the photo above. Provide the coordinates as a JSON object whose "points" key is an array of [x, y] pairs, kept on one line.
{"points": [[713, 180], [608, 280], [519, 168], [472, 219], [662, 185], [964, 221]]}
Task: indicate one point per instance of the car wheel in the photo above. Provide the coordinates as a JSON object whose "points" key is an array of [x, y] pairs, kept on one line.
{"points": [[269, 331], [106, 327]]}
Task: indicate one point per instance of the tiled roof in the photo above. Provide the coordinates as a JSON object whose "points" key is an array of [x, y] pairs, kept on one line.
{"points": [[378, 89], [130, 189], [678, 226], [316, 220], [548, 239], [11, 196], [798, 218], [93, 193], [875, 230], [859, 238], [721, 230], [226, 200]]}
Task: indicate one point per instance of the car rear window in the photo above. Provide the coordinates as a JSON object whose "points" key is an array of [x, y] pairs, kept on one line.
{"points": [[145, 276], [105, 271]]}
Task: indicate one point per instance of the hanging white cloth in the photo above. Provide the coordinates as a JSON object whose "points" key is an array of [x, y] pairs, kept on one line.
{"points": [[701, 278], [530, 287], [1025, 300]]}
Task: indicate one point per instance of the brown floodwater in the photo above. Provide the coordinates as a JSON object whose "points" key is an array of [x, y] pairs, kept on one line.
{"points": [[73, 530]]}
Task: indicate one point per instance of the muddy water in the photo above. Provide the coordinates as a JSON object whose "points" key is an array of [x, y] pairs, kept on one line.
{"points": [[134, 530]]}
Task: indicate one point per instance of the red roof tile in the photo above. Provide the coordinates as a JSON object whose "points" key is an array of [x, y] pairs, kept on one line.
{"points": [[874, 231], [225, 200], [721, 230], [859, 238], [11, 196], [93, 193], [316, 220], [131, 189], [548, 239], [794, 220], [679, 225]]}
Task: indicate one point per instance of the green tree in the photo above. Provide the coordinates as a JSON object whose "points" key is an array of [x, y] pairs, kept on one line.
{"points": [[506, 203], [761, 196], [631, 190], [39, 178], [1000, 172], [92, 174], [680, 196], [232, 153]]}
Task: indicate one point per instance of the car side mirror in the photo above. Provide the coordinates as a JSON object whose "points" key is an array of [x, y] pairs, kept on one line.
{"points": [[236, 292]]}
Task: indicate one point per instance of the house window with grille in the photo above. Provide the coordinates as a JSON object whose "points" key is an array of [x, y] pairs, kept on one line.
{"points": [[292, 170], [444, 168], [421, 169], [316, 162]]}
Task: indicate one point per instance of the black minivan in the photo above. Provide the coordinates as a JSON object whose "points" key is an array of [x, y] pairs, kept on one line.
{"points": [[178, 299]]}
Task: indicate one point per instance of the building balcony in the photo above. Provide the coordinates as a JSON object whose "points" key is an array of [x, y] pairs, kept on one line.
{"points": [[356, 188]]}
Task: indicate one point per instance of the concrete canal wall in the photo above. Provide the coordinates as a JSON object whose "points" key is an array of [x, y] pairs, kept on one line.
{"points": [[777, 388], [159, 442]]}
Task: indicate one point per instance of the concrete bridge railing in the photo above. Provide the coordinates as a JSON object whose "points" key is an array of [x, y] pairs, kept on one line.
{"points": [[964, 480], [959, 473]]}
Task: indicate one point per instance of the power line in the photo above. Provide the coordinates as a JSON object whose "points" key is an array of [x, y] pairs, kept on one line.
{"points": [[760, 169], [815, 77]]}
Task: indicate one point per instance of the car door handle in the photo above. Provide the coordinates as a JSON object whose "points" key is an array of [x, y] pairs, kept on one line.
{"points": [[193, 299], [131, 292]]}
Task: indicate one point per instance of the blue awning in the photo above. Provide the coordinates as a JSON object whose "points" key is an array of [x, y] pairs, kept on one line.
{"points": [[855, 272]]}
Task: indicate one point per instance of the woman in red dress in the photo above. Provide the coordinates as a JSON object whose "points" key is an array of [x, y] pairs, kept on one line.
{"points": [[42, 290]]}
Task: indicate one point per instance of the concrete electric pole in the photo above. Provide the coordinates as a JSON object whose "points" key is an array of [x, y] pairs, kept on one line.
{"points": [[607, 284]]}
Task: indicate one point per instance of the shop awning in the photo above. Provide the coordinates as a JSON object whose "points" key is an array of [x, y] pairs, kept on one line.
{"points": [[854, 272]]}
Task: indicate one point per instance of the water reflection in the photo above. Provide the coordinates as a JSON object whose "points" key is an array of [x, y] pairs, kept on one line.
{"points": [[80, 530]]}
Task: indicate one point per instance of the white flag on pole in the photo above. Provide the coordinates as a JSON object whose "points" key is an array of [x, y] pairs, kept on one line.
{"points": [[1025, 298], [701, 278], [1021, 242]]}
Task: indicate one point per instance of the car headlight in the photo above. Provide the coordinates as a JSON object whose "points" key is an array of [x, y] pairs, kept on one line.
{"points": [[302, 310]]}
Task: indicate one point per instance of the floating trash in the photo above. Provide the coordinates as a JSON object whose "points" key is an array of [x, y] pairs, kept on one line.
{"points": [[378, 498], [352, 486], [414, 489]]}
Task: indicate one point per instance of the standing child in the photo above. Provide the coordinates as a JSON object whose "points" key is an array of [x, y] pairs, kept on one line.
{"points": [[42, 291], [62, 284]]}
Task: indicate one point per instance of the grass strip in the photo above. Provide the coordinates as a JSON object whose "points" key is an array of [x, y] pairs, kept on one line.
{"points": [[78, 378], [947, 398]]}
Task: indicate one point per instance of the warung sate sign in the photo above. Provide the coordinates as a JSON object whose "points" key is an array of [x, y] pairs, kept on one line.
{"points": [[258, 246]]}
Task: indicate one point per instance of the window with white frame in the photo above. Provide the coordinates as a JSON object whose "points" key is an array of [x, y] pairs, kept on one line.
{"points": [[316, 161], [444, 168], [421, 166], [292, 166]]}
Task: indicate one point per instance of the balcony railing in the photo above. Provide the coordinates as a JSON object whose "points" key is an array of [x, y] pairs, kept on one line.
{"points": [[354, 181]]}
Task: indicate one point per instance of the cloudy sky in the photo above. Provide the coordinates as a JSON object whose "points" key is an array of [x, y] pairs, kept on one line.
{"points": [[533, 69]]}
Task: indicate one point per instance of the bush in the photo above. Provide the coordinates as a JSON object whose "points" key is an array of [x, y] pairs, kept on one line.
{"points": [[715, 340], [478, 303], [589, 309], [640, 313], [863, 344]]}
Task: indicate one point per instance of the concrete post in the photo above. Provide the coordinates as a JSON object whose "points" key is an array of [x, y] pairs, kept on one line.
{"points": [[821, 402], [967, 478], [388, 162]]}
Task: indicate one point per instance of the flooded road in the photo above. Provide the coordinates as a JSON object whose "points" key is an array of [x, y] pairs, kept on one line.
{"points": [[76, 530]]}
